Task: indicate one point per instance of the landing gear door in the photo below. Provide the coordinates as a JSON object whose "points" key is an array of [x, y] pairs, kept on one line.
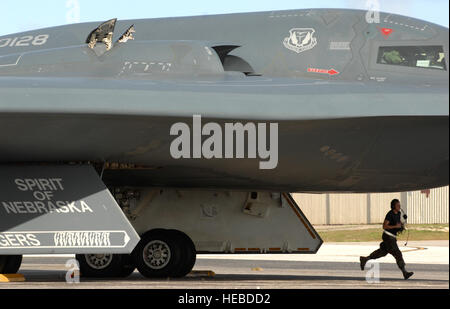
{"points": [[60, 210]]}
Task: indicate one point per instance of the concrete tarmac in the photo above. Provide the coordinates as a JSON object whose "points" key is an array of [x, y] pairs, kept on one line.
{"points": [[318, 271]]}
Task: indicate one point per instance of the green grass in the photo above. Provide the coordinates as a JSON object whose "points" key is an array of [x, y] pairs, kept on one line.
{"points": [[363, 235]]}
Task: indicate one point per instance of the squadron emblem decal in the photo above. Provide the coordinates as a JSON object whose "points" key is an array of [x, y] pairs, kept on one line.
{"points": [[300, 39]]}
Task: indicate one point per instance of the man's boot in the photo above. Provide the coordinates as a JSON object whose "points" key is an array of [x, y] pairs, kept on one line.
{"points": [[363, 260], [406, 274]]}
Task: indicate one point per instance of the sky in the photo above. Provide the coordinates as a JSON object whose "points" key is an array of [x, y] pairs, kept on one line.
{"points": [[22, 15]]}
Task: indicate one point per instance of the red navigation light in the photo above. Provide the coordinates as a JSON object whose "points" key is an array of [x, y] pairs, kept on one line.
{"points": [[386, 31]]}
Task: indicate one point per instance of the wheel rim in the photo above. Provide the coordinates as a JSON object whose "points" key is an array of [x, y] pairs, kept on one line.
{"points": [[98, 261], [156, 254]]}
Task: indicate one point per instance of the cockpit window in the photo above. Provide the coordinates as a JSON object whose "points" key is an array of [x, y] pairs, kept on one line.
{"points": [[429, 57]]}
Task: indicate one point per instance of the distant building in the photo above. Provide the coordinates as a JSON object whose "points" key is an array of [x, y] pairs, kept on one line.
{"points": [[422, 207]]}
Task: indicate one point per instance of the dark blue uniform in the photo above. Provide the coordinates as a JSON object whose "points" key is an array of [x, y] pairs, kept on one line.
{"points": [[393, 219], [389, 244]]}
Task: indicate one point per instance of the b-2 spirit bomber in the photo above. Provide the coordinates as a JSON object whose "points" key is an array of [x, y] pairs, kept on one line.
{"points": [[175, 136]]}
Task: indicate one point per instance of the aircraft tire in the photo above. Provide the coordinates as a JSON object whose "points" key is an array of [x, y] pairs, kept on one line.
{"points": [[158, 254], [128, 266], [10, 264], [103, 265], [188, 255]]}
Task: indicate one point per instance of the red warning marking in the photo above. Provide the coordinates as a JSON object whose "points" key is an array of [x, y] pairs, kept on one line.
{"points": [[322, 71], [386, 32]]}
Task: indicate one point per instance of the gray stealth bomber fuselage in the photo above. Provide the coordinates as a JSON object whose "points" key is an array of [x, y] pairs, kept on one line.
{"points": [[361, 107]]}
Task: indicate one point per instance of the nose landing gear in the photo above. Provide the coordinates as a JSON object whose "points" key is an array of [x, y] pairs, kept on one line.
{"points": [[159, 254], [164, 253]]}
